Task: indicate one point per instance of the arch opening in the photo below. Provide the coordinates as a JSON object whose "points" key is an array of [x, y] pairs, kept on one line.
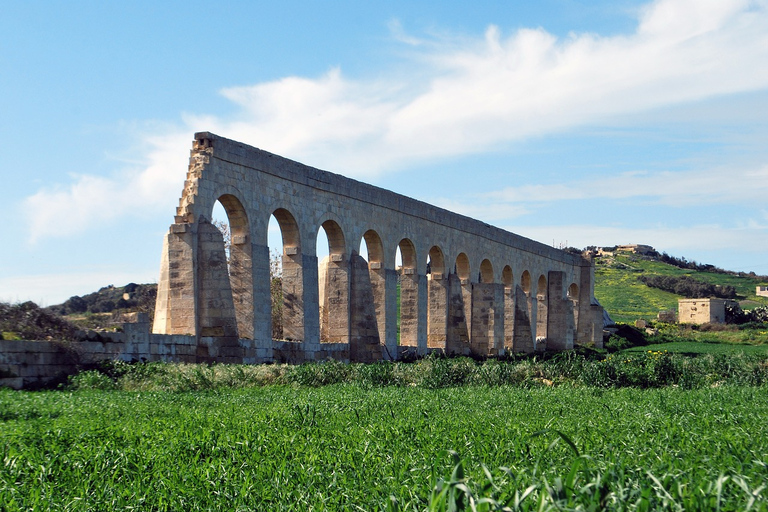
{"points": [[525, 282], [462, 268], [506, 276], [486, 271]]}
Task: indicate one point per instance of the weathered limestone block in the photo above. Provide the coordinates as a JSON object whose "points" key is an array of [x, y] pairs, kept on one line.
{"points": [[437, 312]]}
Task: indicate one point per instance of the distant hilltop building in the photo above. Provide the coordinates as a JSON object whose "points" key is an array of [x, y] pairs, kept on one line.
{"points": [[762, 291], [636, 248], [633, 248]]}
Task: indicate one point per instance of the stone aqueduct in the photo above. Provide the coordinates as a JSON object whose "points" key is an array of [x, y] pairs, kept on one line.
{"points": [[464, 287]]}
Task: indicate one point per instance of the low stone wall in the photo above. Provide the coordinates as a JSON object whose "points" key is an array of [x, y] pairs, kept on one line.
{"points": [[25, 364]]}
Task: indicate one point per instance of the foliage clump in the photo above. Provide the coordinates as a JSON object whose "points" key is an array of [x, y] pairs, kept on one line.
{"points": [[28, 321], [136, 297], [735, 315], [689, 287]]}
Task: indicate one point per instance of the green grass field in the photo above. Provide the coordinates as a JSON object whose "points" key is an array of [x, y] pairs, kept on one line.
{"points": [[343, 447], [627, 299]]}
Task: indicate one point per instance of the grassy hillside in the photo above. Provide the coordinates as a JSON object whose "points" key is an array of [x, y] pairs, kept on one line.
{"points": [[626, 298]]}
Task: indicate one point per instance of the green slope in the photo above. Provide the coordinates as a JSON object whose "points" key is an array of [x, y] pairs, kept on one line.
{"points": [[627, 299]]}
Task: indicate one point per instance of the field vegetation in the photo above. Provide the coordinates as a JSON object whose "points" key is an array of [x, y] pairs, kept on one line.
{"points": [[665, 423], [621, 291], [354, 447]]}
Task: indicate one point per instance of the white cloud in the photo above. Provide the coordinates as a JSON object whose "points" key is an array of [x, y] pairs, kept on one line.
{"points": [[95, 200], [458, 99], [681, 188]]}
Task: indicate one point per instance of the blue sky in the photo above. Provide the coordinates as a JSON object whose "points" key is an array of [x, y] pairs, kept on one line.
{"points": [[569, 122]]}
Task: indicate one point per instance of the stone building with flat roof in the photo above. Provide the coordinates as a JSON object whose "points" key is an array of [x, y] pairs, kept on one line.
{"points": [[702, 311]]}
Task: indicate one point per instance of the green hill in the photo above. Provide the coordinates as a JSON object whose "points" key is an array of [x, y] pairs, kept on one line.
{"points": [[626, 298]]}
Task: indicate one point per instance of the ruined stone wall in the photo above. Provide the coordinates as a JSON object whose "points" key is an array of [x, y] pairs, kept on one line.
{"points": [[476, 297]]}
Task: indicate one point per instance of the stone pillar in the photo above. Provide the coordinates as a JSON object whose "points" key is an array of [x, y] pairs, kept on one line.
{"points": [[391, 277], [457, 339], [437, 311], [409, 307], [378, 279], [559, 313], [176, 303], [499, 315], [421, 327], [533, 310], [541, 321], [364, 344], [524, 336], [335, 320], [262, 304], [509, 318], [584, 327], [311, 302], [241, 280], [482, 319], [218, 335], [293, 295]]}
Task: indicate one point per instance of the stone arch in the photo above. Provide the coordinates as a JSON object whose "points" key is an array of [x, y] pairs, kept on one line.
{"points": [[409, 294], [462, 268], [525, 282], [375, 247], [573, 292], [437, 300], [507, 277], [541, 286], [290, 303], [486, 271], [333, 286], [336, 243], [408, 254]]}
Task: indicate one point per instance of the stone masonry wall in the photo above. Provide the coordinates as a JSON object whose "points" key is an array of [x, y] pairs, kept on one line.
{"points": [[464, 302]]}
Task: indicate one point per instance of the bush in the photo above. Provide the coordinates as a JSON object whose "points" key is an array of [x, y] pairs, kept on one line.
{"points": [[688, 287]]}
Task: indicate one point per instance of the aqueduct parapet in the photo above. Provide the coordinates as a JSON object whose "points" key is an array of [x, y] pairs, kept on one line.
{"points": [[462, 286]]}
